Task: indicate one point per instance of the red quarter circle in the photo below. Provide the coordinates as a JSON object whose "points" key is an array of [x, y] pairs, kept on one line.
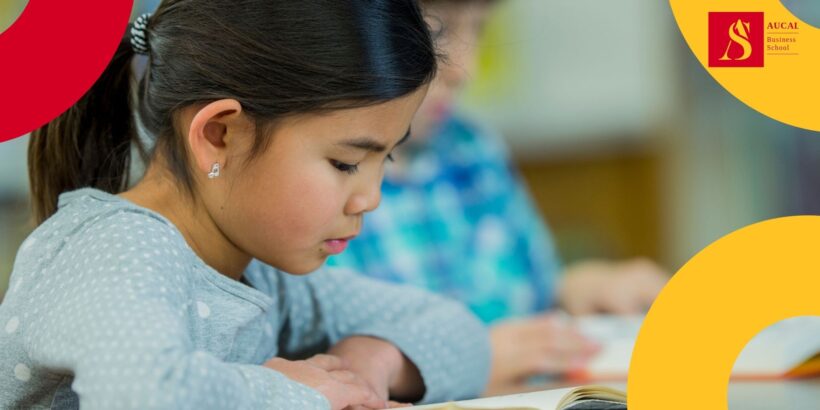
{"points": [[52, 55]]}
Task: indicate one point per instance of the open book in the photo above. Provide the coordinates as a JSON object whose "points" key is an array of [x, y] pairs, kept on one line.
{"points": [[579, 398], [790, 348]]}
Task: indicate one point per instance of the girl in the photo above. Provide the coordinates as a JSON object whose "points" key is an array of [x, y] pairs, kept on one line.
{"points": [[273, 120]]}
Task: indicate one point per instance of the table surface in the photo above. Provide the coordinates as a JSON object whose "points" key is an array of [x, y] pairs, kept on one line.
{"points": [[795, 394], [743, 395]]}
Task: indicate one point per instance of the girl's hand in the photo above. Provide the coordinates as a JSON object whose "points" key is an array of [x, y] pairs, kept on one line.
{"points": [[382, 366], [624, 287], [545, 344], [343, 388], [327, 361]]}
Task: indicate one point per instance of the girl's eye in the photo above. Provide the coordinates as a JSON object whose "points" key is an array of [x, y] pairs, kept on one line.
{"points": [[347, 168]]}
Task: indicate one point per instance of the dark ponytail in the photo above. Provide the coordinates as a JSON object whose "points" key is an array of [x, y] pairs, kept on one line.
{"points": [[276, 57], [89, 145]]}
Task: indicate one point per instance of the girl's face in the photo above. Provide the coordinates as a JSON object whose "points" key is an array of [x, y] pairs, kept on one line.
{"points": [[305, 196]]}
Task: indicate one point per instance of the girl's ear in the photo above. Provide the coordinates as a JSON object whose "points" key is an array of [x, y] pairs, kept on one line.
{"points": [[213, 129]]}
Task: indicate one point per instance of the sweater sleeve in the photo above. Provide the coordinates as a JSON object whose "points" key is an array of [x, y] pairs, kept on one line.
{"points": [[441, 337], [111, 313]]}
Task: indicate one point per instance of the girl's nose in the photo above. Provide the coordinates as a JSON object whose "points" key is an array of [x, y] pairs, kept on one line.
{"points": [[364, 201]]}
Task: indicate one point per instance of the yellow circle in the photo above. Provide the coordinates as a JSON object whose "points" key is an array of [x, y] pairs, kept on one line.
{"points": [[786, 88], [723, 297]]}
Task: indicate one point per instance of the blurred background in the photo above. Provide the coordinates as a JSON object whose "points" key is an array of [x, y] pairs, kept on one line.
{"points": [[629, 147]]}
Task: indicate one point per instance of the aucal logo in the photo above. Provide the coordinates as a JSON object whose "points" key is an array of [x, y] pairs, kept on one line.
{"points": [[736, 39]]}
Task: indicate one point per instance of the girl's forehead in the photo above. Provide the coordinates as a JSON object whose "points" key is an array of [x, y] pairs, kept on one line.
{"points": [[381, 123]]}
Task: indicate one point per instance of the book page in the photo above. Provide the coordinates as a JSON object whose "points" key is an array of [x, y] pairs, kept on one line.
{"points": [[780, 347], [593, 398], [772, 353], [542, 400], [579, 398]]}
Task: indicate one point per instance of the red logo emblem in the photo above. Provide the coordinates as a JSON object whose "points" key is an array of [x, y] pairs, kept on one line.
{"points": [[736, 40]]}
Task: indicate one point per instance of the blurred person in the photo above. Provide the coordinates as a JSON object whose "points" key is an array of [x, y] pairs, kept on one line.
{"points": [[456, 218]]}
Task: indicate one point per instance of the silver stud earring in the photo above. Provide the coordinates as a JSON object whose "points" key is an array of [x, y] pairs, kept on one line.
{"points": [[214, 171]]}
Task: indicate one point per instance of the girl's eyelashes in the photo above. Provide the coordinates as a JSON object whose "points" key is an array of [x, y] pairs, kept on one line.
{"points": [[344, 167], [353, 168]]}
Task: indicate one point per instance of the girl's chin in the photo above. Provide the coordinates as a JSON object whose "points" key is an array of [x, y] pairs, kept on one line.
{"points": [[302, 267], [307, 268]]}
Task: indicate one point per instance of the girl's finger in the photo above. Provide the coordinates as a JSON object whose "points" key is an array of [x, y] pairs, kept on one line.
{"points": [[327, 362], [356, 390], [346, 376]]}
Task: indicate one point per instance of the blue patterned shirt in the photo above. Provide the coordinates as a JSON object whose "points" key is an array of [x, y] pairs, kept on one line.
{"points": [[460, 222]]}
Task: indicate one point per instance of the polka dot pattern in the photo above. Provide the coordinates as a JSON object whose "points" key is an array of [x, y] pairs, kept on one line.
{"points": [[447, 343], [22, 372], [203, 310], [11, 325], [110, 308]]}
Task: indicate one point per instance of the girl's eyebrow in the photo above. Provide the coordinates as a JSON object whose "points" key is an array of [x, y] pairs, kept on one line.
{"points": [[370, 144]]}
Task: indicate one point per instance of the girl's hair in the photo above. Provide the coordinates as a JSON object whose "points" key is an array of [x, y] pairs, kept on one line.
{"points": [[276, 57]]}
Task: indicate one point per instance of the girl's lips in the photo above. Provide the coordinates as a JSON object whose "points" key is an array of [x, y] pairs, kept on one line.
{"points": [[336, 246]]}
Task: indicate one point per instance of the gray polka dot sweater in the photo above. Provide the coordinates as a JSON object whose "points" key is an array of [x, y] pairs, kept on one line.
{"points": [[108, 308]]}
